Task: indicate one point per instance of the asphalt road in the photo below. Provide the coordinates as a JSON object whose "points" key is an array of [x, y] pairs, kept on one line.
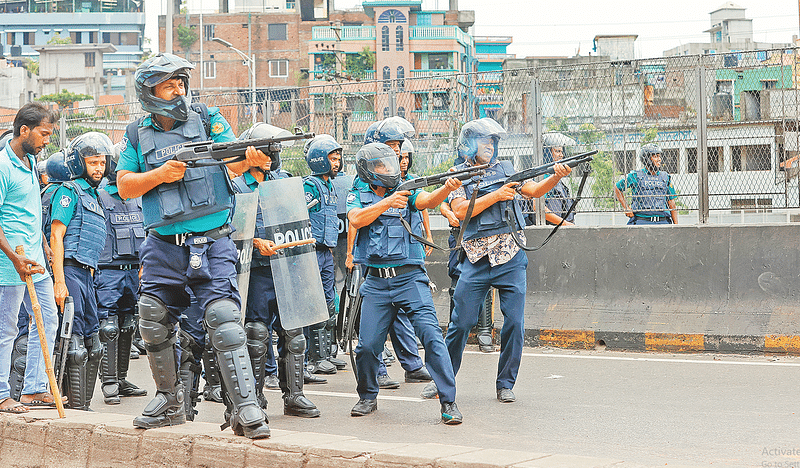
{"points": [[646, 409]]}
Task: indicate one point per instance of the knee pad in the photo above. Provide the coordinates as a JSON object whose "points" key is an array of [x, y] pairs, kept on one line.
{"points": [[295, 341], [152, 309], [127, 325], [222, 311], [153, 320], [228, 337], [109, 331], [257, 336]]}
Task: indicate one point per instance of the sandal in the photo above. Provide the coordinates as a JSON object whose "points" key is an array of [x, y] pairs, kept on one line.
{"points": [[16, 408], [44, 399]]}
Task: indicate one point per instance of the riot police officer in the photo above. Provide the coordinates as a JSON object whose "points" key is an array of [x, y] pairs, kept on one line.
{"points": [[493, 259], [77, 236], [652, 194], [187, 213], [559, 199], [324, 157], [117, 284], [262, 305], [395, 274]]}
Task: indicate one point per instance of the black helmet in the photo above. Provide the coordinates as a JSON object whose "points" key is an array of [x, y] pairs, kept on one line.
{"points": [[86, 146], [377, 164], [646, 152], [56, 168], [112, 165], [470, 133], [157, 70], [265, 130]]}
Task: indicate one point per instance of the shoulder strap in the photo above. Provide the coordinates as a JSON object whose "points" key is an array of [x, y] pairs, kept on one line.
{"points": [[202, 109]]}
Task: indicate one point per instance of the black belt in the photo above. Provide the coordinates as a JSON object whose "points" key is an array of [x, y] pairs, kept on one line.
{"points": [[654, 219], [321, 247], [75, 263], [180, 239], [391, 272], [129, 266]]}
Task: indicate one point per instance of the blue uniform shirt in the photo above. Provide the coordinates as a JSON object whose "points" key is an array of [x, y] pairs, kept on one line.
{"points": [[313, 194], [131, 159], [65, 199], [20, 213]]}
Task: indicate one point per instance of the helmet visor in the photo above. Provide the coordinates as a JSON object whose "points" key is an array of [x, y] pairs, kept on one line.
{"points": [[386, 166]]}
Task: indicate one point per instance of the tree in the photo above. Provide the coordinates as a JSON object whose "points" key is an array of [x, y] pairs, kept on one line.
{"points": [[57, 39], [32, 66], [187, 36], [602, 168], [64, 99], [360, 63]]}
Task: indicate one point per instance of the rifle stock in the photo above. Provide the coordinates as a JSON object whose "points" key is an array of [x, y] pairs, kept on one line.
{"points": [[64, 336], [548, 168], [209, 153]]}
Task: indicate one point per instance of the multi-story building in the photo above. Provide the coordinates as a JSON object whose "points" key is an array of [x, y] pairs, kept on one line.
{"points": [[490, 52]]}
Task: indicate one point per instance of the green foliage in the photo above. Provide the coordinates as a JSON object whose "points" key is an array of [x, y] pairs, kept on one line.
{"points": [[57, 39], [649, 135], [64, 99], [32, 66], [360, 63], [187, 36], [557, 124], [602, 168], [293, 161]]}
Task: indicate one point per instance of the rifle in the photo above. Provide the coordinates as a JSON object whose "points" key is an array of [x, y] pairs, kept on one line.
{"points": [[548, 168], [437, 179], [208, 153], [64, 337]]}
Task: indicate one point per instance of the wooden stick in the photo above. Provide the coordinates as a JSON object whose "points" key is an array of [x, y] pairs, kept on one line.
{"points": [[293, 244], [48, 363]]}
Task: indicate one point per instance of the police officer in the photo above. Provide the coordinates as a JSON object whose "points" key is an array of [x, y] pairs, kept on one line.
{"points": [[262, 305], [395, 274], [558, 200], [77, 237], [493, 259], [187, 213], [324, 158], [117, 284], [652, 194]]}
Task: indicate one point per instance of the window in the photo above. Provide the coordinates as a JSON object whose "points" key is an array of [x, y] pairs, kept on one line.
{"points": [[624, 161], [88, 59], [93, 37], [401, 82], [399, 38], [77, 37], [401, 111], [290, 5], [11, 38], [438, 61], [714, 159], [392, 16], [750, 158], [424, 19], [278, 68], [210, 70], [691, 160], [277, 32], [387, 75], [209, 32], [769, 84], [385, 112], [324, 62], [669, 161], [385, 38], [27, 38]]}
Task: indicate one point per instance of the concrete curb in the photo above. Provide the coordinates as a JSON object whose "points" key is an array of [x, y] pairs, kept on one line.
{"points": [[40, 439], [663, 342]]}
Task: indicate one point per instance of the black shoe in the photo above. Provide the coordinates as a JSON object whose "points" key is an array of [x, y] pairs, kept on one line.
{"points": [[134, 354], [127, 389], [310, 378], [419, 375], [256, 431], [171, 417], [450, 414], [430, 391], [505, 395], [272, 381], [364, 407], [388, 357], [110, 393], [300, 406], [338, 363], [384, 381], [322, 367]]}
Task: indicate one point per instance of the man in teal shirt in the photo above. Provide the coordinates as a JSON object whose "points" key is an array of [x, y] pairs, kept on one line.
{"points": [[20, 224]]}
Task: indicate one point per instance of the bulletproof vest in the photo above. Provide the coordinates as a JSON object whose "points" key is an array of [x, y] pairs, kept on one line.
{"points": [[47, 200], [651, 192], [491, 221], [86, 232], [240, 186], [559, 200], [324, 222], [202, 190], [124, 229], [386, 241]]}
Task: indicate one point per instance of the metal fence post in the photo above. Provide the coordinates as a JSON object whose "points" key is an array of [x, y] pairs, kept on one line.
{"points": [[702, 145], [62, 134], [392, 102], [536, 122], [267, 108]]}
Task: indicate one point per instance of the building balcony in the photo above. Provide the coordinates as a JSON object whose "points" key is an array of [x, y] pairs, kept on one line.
{"points": [[443, 114], [346, 33], [494, 56], [327, 75], [363, 116], [433, 73], [441, 32]]}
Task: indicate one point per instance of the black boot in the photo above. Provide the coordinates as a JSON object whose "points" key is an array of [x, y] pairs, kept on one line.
{"points": [[95, 352], [291, 377], [126, 332], [484, 330]]}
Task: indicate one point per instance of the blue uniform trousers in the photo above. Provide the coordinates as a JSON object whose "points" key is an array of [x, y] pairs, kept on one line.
{"points": [[262, 306], [81, 288], [327, 272], [166, 274], [405, 345], [191, 320], [117, 292], [638, 221], [510, 281], [383, 298]]}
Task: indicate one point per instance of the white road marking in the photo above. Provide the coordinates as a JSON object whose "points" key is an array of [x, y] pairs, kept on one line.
{"points": [[353, 395], [650, 359]]}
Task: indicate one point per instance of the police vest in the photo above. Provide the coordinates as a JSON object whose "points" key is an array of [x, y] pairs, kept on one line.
{"points": [[202, 190], [491, 221], [240, 186], [386, 241], [559, 200], [47, 200], [86, 232], [124, 230], [650, 195], [324, 222]]}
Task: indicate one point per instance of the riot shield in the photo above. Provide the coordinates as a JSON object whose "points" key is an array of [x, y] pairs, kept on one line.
{"points": [[342, 184], [295, 271], [244, 223]]}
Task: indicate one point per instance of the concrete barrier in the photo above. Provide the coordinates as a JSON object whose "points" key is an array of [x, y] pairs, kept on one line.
{"points": [[721, 288]]}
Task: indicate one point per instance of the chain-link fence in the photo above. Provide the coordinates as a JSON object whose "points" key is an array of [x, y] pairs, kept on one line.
{"points": [[727, 123]]}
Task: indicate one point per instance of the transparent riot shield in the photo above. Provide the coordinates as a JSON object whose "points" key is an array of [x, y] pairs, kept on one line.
{"points": [[295, 271], [342, 184], [244, 223]]}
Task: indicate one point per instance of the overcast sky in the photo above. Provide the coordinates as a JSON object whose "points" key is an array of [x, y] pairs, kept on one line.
{"points": [[560, 27]]}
